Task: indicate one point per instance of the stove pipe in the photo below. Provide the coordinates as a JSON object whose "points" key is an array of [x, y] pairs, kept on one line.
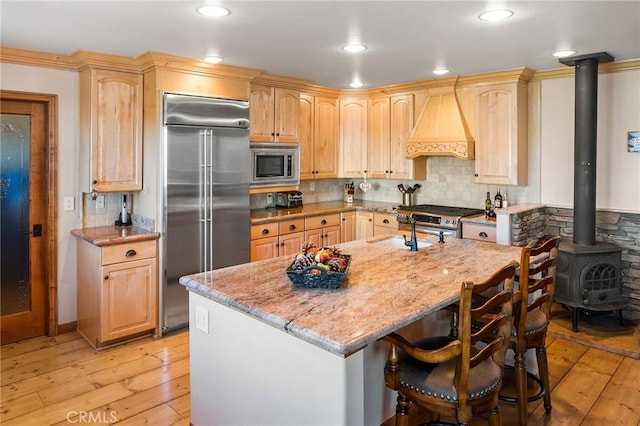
{"points": [[585, 144]]}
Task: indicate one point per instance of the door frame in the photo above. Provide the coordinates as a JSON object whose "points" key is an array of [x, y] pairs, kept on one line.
{"points": [[51, 252]]}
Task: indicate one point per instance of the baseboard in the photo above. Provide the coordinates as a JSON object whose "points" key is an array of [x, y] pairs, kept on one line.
{"points": [[68, 327]]}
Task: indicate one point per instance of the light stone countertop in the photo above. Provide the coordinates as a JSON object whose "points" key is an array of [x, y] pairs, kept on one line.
{"points": [[518, 208], [387, 287], [261, 216], [109, 235]]}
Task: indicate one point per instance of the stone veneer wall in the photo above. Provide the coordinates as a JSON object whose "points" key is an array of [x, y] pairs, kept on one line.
{"points": [[528, 226], [621, 229]]}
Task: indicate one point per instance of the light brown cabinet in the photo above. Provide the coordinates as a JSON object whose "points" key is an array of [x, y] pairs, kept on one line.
{"points": [[384, 223], [117, 291], [276, 239], [353, 137], [273, 114], [347, 226], [364, 225], [390, 124], [110, 130], [501, 134], [322, 230], [318, 135]]}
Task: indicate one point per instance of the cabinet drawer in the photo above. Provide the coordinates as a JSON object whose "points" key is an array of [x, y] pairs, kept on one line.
{"points": [[130, 251], [289, 226], [473, 231], [385, 220], [321, 221], [265, 230]]}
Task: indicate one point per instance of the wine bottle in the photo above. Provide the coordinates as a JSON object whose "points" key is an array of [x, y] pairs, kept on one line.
{"points": [[498, 200], [487, 205]]}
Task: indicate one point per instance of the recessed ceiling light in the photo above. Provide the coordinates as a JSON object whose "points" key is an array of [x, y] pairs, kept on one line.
{"points": [[354, 48], [356, 84], [440, 71], [214, 11], [212, 59], [495, 15], [563, 53]]}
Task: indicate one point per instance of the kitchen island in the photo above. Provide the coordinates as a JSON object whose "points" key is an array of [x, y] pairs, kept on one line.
{"points": [[263, 352]]}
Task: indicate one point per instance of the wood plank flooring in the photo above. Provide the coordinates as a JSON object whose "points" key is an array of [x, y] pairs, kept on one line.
{"points": [[61, 381]]}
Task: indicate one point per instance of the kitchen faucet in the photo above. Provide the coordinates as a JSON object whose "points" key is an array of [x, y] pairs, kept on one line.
{"points": [[413, 242]]}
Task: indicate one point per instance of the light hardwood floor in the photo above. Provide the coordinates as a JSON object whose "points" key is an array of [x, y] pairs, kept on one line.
{"points": [[61, 380]]}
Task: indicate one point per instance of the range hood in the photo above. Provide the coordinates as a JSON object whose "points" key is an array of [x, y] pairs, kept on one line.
{"points": [[440, 129]]}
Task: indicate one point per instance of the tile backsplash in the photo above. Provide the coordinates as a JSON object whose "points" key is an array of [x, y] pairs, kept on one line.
{"points": [[92, 216], [450, 181]]}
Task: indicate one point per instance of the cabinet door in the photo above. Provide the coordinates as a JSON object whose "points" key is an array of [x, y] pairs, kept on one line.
{"points": [[325, 135], [305, 133], [116, 131], [314, 236], [287, 105], [261, 113], [384, 224], [264, 248], [364, 225], [347, 227], [353, 137], [331, 236], [378, 139], [501, 134], [128, 298], [401, 124], [290, 244]]}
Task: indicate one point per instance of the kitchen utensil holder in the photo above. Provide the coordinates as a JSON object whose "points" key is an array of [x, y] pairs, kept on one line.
{"points": [[407, 199]]}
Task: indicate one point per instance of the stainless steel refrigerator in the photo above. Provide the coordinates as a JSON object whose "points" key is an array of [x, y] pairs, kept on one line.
{"points": [[206, 194]]}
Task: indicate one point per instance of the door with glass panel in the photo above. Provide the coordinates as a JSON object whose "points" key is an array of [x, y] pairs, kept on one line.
{"points": [[23, 195]]}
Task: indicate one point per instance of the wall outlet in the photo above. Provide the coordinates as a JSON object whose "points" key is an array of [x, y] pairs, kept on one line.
{"points": [[69, 204], [270, 201], [202, 319], [100, 202]]}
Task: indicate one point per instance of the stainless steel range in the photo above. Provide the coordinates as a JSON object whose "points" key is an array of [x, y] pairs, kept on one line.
{"points": [[432, 219]]}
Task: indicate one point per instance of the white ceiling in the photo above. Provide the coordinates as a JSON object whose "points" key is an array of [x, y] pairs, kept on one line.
{"points": [[405, 39]]}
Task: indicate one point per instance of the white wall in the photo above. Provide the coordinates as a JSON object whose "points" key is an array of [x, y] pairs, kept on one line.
{"points": [[64, 84], [618, 171]]}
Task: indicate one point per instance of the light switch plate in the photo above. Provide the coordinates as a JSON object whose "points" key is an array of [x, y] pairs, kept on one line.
{"points": [[202, 319]]}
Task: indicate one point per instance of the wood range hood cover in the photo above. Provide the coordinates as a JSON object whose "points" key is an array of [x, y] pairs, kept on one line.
{"points": [[440, 129]]}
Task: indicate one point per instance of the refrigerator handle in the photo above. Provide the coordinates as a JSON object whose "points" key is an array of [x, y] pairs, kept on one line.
{"points": [[202, 189], [211, 199]]}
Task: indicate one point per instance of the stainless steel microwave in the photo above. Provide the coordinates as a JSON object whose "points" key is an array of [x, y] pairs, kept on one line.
{"points": [[275, 164]]}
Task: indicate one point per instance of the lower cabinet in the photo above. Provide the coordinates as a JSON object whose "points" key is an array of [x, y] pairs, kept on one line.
{"points": [[480, 232], [347, 226], [323, 230], [384, 223], [364, 225], [276, 239], [117, 291]]}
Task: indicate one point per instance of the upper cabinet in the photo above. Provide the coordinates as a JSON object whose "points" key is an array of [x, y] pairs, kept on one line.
{"points": [[273, 114], [110, 131], [318, 131], [353, 137], [501, 133], [390, 124]]}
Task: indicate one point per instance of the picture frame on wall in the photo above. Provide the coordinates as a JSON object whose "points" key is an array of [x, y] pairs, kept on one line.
{"points": [[633, 141]]}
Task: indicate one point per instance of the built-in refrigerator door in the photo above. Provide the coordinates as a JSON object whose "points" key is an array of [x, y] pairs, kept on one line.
{"points": [[207, 209], [183, 230]]}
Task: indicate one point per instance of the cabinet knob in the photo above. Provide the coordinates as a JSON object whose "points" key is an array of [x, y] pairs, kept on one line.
{"points": [[106, 277], [130, 253], [292, 227], [475, 174], [95, 182], [277, 134], [323, 222], [265, 231], [390, 171], [385, 221]]}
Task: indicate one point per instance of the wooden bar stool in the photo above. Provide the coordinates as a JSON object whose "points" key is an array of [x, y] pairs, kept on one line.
{"points": [[532, 306], [461, 376]]}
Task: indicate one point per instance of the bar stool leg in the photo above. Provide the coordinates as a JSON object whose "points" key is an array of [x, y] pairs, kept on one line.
{"points": [[521, 386], [543, 370], [402, 410]]}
